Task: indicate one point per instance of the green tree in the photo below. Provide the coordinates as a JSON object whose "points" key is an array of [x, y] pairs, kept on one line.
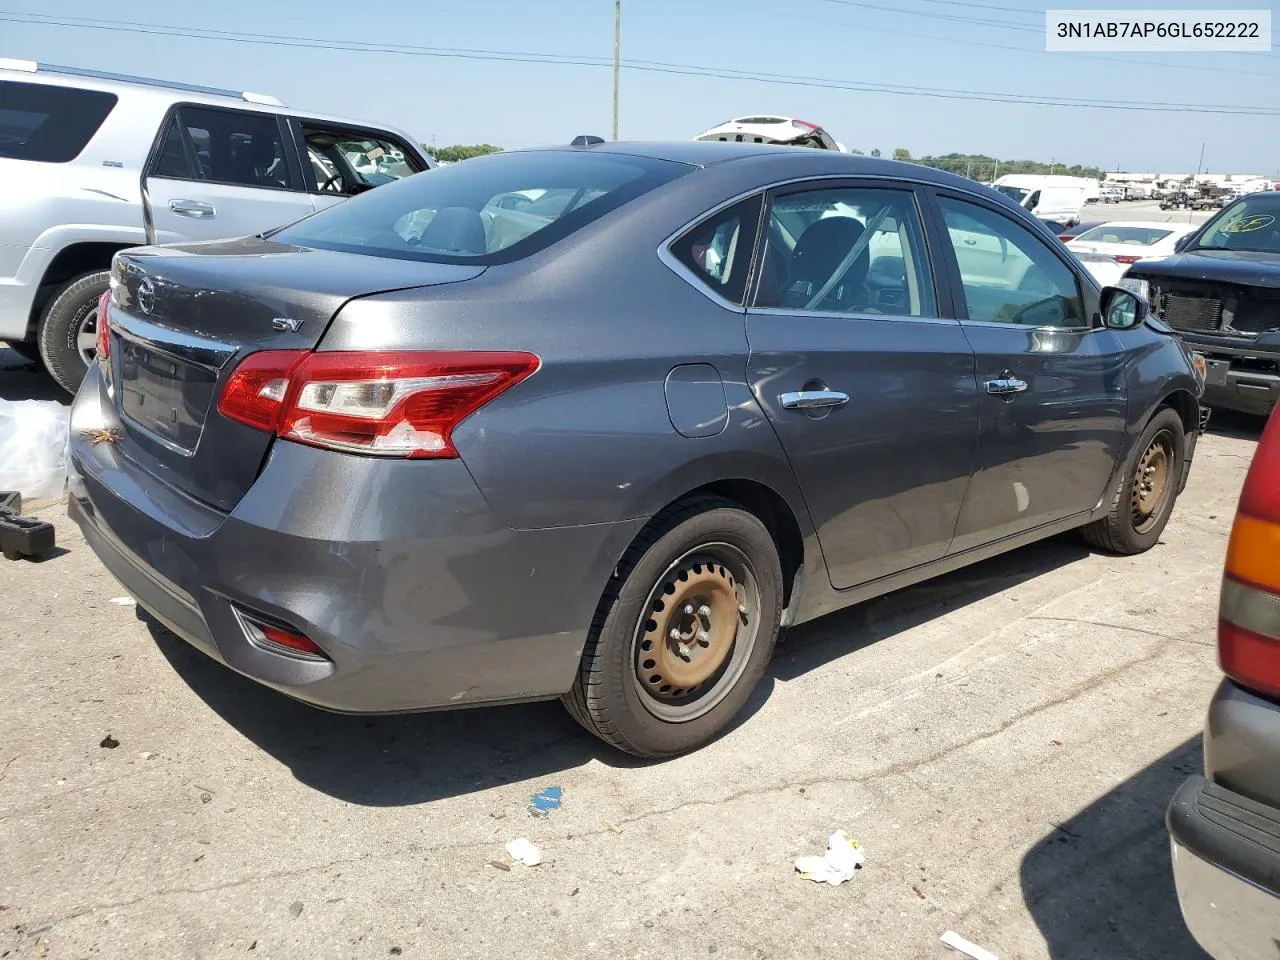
{"points": [[875, 152], [902, 153], [461, 152]]}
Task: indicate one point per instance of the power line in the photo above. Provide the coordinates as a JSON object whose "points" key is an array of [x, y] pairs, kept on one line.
{"points": [[930, 15], [657, 67]]}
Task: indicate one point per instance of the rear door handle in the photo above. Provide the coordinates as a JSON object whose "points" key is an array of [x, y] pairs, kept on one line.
{"points": [[812, 399], [192, 208], [1006, 385]]}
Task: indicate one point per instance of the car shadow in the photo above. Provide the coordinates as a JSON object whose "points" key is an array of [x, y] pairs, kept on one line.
{"points": [[1236, 425], [408, 759], [1101, 884], [23, 379]]}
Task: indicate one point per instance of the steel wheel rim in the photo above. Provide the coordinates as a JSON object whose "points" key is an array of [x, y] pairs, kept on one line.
{"points": [[87, 337], [717, 576], [1152, 483]]}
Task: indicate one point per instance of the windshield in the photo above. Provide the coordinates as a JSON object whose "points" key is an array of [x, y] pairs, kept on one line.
{"points": [[1142, 236], [1017, 193], [485, 210], [1248, 224]]}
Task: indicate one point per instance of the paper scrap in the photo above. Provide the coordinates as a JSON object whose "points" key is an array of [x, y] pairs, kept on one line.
{"points": [[837, 865], [957, 942], [524, 851]]}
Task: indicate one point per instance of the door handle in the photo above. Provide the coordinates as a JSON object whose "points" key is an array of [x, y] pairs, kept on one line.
{"points": [[812, 399], [192, 208], [1006, 385]]}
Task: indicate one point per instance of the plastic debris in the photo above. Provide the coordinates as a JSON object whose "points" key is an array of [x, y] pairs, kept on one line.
{"points": [[109, 742], [33, 447], [837, 865], [546, 800], [957, 942], [295, 909], [524, 851], [123, 601]]}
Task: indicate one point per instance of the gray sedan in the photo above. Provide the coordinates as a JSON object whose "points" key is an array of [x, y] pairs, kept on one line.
{"points": [[597, 422]]}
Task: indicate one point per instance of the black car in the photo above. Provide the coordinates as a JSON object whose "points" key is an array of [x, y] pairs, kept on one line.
{"points": [[1221, 292]]}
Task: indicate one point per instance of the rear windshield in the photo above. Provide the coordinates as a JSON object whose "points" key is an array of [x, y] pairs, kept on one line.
{"points": [[485, 210], [1144, 236], [49, 124], [1016, 193]]}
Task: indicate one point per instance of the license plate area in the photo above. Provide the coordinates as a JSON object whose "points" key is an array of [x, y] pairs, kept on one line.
{"points": [[166, 397], [1216, 372]]}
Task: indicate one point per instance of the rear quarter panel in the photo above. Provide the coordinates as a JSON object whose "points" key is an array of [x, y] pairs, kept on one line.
{"points": [[588, 438]]}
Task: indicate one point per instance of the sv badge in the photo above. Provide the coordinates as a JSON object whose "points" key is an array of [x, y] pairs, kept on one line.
{"points": [[286, 323]]}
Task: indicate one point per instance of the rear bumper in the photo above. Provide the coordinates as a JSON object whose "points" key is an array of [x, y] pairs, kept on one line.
{"points": [[398, 570], [1226, 866]]}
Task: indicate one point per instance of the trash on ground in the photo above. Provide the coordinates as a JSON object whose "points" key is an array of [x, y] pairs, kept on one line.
{"points": [[546, 800], [837, 865], [109, 742], [124, 601], [499, 865], [33, 447], [295, 908], [524, 851], [957, 942]]}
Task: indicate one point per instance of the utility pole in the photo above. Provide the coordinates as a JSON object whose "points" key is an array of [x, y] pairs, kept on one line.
{"points": [[968, 169], [1052, 163], [996, 176], [1200, 165], [617, 49]]}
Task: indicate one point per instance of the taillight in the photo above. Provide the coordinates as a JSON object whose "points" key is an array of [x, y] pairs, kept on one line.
{"points": [[1249, 609], [1064, 237], [104, 329], [401, 404], [1126, 258]]}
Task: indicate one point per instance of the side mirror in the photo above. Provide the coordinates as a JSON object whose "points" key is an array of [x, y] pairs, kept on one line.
{"points": [[1183, 242], [1122, 309]]}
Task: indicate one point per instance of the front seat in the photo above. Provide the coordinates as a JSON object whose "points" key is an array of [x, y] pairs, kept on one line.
{"points": [[455, 230], [817, 255]]}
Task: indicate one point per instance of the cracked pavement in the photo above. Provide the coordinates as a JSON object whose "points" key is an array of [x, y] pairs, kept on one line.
{"points": [[1001, 741]]}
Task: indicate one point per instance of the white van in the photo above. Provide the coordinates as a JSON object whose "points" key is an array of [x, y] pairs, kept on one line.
{"points": [[1059, 199]]}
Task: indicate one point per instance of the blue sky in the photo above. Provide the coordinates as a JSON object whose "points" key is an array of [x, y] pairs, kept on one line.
{"points": [[517, 104]]}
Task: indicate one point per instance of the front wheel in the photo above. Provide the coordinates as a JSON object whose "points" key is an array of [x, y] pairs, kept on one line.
{"points": [[684, 632], [1141, 505]]}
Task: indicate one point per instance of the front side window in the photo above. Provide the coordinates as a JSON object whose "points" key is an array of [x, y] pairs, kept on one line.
{"points": [[491, 209], [225, 146], [1009, 274], [718, 250], [1251, 224], [49, 124], [349, 161], [846, 250]]}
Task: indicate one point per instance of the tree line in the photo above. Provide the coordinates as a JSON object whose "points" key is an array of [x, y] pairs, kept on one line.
{"points": [[979, 166]]}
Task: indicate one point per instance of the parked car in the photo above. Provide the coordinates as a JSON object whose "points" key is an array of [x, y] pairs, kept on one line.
{"points": [[1111, 194], [1175, 200], [1056, 198], [1108, 249], [1066, 233], [1221, 292], [785, 131], [1225, 824], [93, 163], [431, 448]]}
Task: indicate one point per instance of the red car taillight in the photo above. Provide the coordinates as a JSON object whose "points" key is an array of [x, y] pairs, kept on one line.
{"points": [[104, 328], [1126, 258], [1249, 611], [393, 404]]}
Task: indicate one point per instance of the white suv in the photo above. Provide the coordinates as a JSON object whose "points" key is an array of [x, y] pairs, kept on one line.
{"points": [[93, 163]]}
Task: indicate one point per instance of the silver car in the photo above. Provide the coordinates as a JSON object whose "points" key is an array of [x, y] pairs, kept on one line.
{"points": [[597, 422]]}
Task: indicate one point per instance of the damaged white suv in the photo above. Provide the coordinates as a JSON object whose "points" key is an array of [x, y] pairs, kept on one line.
{"points": [[93, 163]]}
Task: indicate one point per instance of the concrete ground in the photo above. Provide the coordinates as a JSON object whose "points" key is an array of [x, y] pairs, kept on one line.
{"points": [[1002, 741]]}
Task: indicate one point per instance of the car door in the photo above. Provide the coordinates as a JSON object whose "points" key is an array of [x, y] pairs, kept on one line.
{"points": [[1052, 379], [866, 379], [342, 160], [216, 173]]}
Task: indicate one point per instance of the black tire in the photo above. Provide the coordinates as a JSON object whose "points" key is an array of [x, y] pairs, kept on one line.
{"points": [[612, 697], [61, 326], [1126, 529]]}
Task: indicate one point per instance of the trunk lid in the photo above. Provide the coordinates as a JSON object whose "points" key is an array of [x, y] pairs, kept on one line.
{"points": [[183, 317]]}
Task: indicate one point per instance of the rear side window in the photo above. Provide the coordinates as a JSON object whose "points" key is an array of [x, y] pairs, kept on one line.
{"points": [[49, 124], [485, 210], [718, 250], [225, 146]]}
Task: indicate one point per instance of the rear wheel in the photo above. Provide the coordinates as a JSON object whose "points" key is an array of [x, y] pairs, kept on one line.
{"points": [[684, 632], [1142, 504], [69, 329]]}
